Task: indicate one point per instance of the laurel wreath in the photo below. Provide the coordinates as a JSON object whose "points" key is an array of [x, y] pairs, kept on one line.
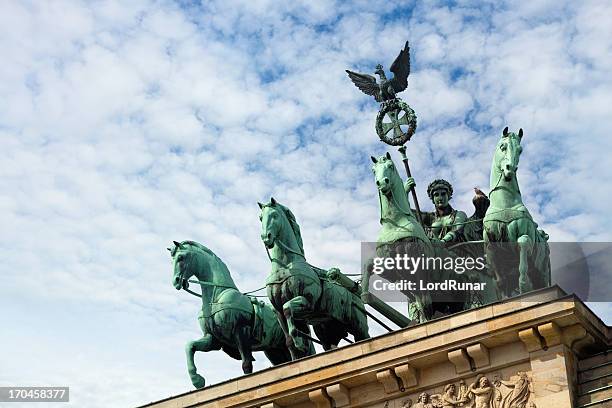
{"points": [[396, 105]]}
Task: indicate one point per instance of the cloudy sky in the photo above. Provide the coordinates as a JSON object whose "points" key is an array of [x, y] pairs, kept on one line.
{"points": [[126, 125]]}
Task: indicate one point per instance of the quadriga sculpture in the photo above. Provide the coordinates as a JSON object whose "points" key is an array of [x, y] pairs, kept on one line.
{"points": [[400, 234], [230, 321], [507, 220], [303, 294]]}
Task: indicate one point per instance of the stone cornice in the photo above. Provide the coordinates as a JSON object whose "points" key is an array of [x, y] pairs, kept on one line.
{"points": [[389, 360]]}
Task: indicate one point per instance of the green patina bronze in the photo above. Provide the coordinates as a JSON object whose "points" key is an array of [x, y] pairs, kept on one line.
{"points": [[445, 223], [397, 219], [448, 225], [230, 321], [447, 231], [303, 294], [507, 220], [401, 233], [460, 235], [385, 89], [396, 121]]}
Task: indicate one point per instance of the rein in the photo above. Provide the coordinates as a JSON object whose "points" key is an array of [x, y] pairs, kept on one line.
{"points": [[396, 205], [288, 249], [497, 186], [192, 292], [206, 283], [216, 285], [501, 173]]}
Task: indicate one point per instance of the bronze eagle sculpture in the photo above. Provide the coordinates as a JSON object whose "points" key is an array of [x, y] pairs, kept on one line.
{"points": [[385, 89]]}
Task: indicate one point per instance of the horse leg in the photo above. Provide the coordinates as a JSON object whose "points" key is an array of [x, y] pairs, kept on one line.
{"points": [[292, 309], [308, 348], [358, 326], [324, 337], [519, 232], [500, 285], [426, 307], [277, 355], [525, 244], [204, 344], [288, 338], [360, 331], [243, 340]]}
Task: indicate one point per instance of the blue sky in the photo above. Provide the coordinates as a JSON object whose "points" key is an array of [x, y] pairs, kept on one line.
{"points": [[126, 125]]}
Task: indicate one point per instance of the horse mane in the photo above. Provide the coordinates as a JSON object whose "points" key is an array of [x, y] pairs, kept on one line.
{"points": [[294, 226], [207, 250]]}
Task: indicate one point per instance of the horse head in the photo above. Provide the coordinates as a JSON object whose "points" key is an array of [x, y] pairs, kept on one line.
{"points": [[278, 225], [271, 218], [385, 174], [507, 153], [191, 258], [181, 258]]}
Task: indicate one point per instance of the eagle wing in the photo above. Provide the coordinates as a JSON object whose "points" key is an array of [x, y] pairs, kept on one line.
{"points": [[366, 83], [401, 70]]}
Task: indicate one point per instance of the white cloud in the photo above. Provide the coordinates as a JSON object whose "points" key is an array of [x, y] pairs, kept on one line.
{"points": [[125, 126]]}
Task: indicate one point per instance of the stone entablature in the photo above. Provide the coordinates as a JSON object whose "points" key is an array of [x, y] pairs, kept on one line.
{"points": [[527, 348]]}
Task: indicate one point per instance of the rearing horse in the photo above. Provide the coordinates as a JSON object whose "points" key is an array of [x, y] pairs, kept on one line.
{"points": [[229, 319], [401, 233], [507, 220], [303, 294]]}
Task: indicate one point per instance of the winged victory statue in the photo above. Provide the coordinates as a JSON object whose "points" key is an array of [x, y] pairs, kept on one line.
{"points": [[385, 89], [394, 115]]}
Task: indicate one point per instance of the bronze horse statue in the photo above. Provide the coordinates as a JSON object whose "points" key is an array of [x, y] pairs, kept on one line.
{"points": [[230, 321], [401, 233], [302, 294], [517, 251]]}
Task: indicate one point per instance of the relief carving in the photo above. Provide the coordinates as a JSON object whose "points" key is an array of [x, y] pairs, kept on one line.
{"points": [[521, 391], [514, 393], [423, 401]]}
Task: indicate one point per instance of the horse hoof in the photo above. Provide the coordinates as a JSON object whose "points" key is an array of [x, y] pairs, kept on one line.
{"points": [[198, 381], [247, 367]]}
